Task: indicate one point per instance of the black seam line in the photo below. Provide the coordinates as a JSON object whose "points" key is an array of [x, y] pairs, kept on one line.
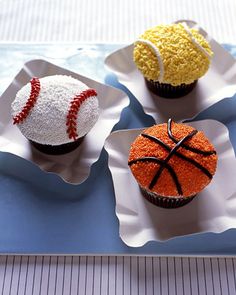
{"points": [[177, 146], [167, 166], [178, 154], [192, 149]]}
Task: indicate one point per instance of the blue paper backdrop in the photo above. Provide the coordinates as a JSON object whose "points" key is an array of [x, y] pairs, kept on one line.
{"points": [[40, 214]]}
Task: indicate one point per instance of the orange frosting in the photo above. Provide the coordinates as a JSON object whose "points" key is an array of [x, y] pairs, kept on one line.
{"points": [[191, 178]]}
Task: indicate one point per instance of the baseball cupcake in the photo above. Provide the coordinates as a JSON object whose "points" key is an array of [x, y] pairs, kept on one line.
{"points": [[172, 163], [55, 113], [172, 58]]}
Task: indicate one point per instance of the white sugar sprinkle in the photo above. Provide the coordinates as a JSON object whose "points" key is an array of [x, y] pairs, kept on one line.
{"points": [[46, 122]]}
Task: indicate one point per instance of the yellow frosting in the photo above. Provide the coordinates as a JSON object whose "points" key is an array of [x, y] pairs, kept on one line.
{"points": [[183, 61]]}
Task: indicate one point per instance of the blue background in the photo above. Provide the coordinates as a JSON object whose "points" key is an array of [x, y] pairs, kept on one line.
{"points": [[40, 214]]}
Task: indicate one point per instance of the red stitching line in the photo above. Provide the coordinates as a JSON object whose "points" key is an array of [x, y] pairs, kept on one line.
{"points": [[35, 89], [73, 111]]}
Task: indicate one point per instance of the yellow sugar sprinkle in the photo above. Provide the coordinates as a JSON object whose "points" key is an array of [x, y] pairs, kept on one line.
{"points": [[183, 61]]}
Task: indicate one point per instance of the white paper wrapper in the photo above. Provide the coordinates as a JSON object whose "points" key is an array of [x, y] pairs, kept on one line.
{"points": [[212, 210], [73, 167], [218, 83]]}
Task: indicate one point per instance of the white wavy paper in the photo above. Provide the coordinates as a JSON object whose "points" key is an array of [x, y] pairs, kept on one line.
{"points": [[213, 210], [218, 83], [73, 167]]}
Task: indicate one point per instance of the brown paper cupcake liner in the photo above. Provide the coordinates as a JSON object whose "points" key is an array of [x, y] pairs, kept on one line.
{"points": [[57, 149], [169, 91], [166, 202]]}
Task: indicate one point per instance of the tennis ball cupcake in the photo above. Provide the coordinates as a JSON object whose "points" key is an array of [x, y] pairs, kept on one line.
{"points": [[172, 58], [172, 162], [55, 113]]}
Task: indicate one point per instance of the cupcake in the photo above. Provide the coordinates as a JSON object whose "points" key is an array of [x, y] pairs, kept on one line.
{"points": [[55, 113], [172, 58], [171, 163]]}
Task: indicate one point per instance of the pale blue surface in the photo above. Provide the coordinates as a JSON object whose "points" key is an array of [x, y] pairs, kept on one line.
{"points": [[40, 214]]}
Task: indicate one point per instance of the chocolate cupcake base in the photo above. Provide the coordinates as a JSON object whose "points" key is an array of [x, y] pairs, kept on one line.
{"points": [[166, 202], [169, 91], [57, 149]]}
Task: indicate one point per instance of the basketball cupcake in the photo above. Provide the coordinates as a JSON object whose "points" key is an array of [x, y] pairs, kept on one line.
{"points": [[55, 113], [172, 163], [172, 58]]}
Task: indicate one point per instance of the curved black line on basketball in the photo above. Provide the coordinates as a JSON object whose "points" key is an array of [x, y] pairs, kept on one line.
{"points": [[172, 152], [178, 154], [192, 149], [163, 163]]}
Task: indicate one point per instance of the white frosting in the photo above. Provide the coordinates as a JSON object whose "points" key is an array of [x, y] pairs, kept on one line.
{"points": [[46, 122], [158, 55], [199, 46]]}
